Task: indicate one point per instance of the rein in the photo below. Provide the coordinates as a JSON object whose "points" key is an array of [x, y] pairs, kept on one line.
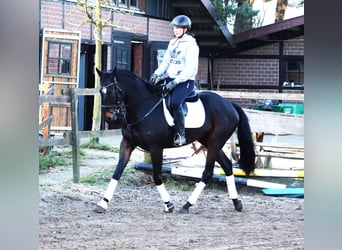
{"points": [[147, 114]]}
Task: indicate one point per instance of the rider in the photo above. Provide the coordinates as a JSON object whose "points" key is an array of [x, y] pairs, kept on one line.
{"points": [[180, 62]]}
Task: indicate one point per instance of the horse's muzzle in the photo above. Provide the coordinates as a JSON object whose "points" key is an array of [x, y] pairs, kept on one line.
{"points": [[109, 115]]}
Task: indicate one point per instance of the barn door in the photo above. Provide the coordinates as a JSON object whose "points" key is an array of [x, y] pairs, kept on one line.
{"points": [[122, 52], [59, 70], [157, 50]]}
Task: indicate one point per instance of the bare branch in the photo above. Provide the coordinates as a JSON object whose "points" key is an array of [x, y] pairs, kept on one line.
{"points": [[88, 9]]}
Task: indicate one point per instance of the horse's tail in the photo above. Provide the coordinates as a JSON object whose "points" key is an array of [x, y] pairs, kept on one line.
{"points": [[244, 133]]}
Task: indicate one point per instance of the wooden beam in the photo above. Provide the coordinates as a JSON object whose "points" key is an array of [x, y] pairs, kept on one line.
{"points": [[186, 4], [212, 12], [46, 122], [259, 95], [54, 98]]}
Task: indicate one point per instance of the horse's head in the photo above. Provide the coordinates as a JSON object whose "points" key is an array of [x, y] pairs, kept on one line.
{"points": [[111, 95]]}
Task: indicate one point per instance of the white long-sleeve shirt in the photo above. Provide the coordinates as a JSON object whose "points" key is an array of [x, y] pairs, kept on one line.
{"points": [[180, 60]]}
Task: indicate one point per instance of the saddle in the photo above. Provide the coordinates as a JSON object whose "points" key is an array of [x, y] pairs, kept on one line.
{"points": [[192, 97]]}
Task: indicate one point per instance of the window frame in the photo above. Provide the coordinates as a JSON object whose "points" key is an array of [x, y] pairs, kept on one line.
{"points": [[128, 4], [285, 78], [60, 58]]}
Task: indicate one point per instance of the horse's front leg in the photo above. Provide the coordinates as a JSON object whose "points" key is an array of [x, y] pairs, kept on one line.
{"points": [[157, 160], [205, 179], [125, 153]]}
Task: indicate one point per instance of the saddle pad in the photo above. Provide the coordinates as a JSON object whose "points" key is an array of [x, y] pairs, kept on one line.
{"points": [[195, 117]]}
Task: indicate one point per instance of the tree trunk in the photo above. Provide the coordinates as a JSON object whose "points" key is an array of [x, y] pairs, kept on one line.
{"points": [[98, 54], [280, 10]]}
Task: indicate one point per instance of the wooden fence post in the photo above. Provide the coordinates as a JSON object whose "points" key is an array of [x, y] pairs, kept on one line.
{"points": [[75, 137]]}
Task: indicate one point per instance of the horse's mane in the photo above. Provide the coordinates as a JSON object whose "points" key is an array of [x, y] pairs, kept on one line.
{"points": [[152, 88]]}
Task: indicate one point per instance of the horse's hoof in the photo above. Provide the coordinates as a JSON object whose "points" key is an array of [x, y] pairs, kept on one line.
{"points": [[237, 205], [98, 209], [184, 210], [169, 207]]}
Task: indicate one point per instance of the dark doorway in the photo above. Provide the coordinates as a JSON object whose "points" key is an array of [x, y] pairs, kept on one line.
{"points": [[87, 74]]}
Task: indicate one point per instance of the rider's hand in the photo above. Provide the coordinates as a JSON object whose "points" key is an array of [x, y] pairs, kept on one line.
{"points": [[153, 78], [171, 85]]}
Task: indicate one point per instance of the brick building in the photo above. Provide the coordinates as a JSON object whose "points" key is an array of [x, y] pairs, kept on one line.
{"points": [[263, 59]]}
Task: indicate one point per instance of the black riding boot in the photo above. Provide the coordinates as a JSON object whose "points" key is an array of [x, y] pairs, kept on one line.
{"points": [[178, 116]]}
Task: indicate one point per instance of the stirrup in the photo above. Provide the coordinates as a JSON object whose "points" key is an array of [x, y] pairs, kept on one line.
{"points": [[179, 140]]}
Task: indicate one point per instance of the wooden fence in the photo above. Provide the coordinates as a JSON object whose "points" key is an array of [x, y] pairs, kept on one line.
{"points": [[72, 137]]}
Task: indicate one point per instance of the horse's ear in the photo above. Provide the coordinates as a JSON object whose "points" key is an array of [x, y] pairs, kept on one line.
{"points": [[113, 72], [99, 71]]}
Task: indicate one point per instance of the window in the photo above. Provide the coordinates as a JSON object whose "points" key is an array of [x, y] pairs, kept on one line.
{"points": [[59, 58], [294, 74], [121, 58], [129, 4]]}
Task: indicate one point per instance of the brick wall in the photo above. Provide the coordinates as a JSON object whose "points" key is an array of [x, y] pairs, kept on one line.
{"points": [[202, 75], [51, 15], [252, 72], [159, 30], [294, 46], [255, 71]]}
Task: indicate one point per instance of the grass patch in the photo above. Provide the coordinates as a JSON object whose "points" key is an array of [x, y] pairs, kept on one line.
{"points": [[99, 146], [49, 161], [130, 177]]}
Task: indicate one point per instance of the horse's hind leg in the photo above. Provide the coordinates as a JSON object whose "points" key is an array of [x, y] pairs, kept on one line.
{"points": [[125, 153], [227, 167]]}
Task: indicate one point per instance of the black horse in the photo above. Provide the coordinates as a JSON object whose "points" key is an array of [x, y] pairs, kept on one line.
{"points": [[138, 106]]}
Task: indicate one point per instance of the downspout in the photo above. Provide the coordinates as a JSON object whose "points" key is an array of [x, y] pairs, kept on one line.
{"points": [[63, 15]]}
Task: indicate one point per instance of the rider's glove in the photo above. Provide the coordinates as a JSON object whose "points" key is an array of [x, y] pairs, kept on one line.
{"points": [[153, 78], [171, 85]]}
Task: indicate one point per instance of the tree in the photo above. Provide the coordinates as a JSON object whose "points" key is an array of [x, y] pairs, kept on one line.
{"points": [[240, 13], [281, 7], [236, 12], [245, 16], [93, 12]]}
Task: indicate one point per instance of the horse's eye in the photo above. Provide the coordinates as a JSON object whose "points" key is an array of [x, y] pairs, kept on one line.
{"points": [[104, 91]]}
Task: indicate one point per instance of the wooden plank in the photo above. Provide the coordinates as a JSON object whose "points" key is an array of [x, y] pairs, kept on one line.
{"points": [[46, 122], [280, 155], [75, 138], [298, 147], [275, 123], [54, 98], [259, 95], [54, 142], [60, 104], [87, 91], [87, 134]]}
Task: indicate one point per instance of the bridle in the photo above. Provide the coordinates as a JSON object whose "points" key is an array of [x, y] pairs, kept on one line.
{"points": [[117, 109]]}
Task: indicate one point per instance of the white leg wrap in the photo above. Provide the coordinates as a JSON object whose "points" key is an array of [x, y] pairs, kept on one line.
{"points": [[110, 189], [196, 193], [163, 193], [230, 180], [102, 204]]}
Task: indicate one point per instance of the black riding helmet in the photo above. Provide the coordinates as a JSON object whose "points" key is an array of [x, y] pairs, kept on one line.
{"points": [[181, 21]]}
